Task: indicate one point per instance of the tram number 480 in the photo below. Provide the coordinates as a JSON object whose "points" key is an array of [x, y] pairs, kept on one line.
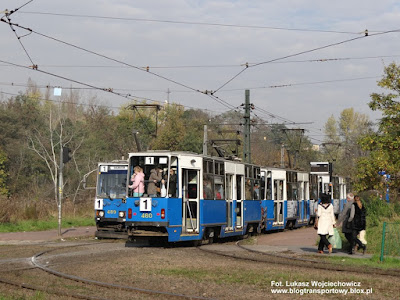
{"points": [[145, 204], [147, 215]]}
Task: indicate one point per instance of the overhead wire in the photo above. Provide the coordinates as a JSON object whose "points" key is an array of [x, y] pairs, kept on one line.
{"points": [[178, 83], [35, 67], [107, 57], [209, 93], [303, 83], [212, 93], [7, 16], [189, 22], [16, 9], [223, 66], [301, 53], [109, 90]]}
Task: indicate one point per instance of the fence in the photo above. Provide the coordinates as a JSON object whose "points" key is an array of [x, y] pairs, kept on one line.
{"points": [[390, 240]]}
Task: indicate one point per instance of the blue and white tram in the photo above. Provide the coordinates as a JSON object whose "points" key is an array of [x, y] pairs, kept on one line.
{"points": [[314, 196], [303, 208], [192, 197], [110, 204], [339, 193], [333, 185], [209, 197], [275, 204]]}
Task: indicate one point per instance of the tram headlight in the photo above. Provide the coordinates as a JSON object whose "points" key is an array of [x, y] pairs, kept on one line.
{"points": [[121, 214], [101, 213]]}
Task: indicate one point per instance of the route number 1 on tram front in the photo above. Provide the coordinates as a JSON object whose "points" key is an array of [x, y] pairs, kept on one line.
{"points": [[98, 204], [145, 204]]}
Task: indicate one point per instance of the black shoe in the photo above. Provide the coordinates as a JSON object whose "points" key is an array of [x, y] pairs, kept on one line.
{"points": [[364, 249]]}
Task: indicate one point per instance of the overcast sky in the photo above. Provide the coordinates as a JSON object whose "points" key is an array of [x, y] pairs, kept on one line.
{"points": [[196, 45]]}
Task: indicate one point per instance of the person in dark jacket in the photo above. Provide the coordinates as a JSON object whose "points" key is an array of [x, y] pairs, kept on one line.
{"points": [[343, 220], [172, 182], [357, 220], [154, 179]]}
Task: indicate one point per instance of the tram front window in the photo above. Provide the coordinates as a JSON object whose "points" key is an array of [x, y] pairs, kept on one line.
{"points": [[111, 184]]}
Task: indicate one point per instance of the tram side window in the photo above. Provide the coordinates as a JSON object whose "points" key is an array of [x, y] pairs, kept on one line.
{"points": [[208, 180], [262, 188], [219, 187], [229, 178], [313, 187], [208, 186], [256, 183], [256, 190], [336, 188], [269, 188], [239, 187], [249, 189], [192, 185], [278, 189]]}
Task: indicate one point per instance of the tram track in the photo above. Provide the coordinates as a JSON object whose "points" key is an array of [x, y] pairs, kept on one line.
{"points": [[35, 261], [289, 260]]}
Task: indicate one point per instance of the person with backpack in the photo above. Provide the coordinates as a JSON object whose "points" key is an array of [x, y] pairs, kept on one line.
{"points": [[357, 220]]}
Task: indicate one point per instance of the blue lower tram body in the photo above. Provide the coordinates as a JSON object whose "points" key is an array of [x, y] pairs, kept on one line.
{"points": [[215, 218], [112, 224]]}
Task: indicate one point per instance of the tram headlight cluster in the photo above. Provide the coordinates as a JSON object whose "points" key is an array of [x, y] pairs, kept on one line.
{"points": [[121, 214], [100, 213]]}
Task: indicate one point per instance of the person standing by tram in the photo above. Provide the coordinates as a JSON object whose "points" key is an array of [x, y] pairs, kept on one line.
{"points": [[326, 222], [343, 221], [357, 221]]}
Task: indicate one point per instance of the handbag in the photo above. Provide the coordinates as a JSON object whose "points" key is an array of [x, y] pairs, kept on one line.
{"points": [[335, 239], [362, 237]]}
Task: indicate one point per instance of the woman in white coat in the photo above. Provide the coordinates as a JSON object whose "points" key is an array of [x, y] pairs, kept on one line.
{"points": [[326, 222]]}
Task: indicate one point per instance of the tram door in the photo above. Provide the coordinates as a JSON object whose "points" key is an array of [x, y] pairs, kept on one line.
{"points": [[190, 200], [229, 202], [278, 201], [239, 201]]}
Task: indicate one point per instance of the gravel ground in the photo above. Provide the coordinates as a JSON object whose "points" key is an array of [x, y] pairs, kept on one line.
{"points": [[179, 269]]}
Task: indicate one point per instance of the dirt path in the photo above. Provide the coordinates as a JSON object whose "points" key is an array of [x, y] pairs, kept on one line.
{"points": [[297, 237], [47, 235]]}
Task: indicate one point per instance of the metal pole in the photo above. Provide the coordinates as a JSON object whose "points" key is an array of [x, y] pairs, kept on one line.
{"points": [[247, 147], [205, 140], [387, 188], [383, 241], [60, 189]]}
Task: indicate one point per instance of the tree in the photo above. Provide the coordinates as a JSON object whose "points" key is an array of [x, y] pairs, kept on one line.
{"points": [[17, 116], [384, 145], [3, 173], [172, 130], [341, 141], [47, 142]]}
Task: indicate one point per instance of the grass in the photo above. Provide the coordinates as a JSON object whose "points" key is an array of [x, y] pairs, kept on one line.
{"points": [[218, 275], [373, 262], [37, 296], [41, 225]]}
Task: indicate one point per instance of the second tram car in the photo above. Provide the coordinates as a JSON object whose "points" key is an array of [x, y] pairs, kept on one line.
{"points": [[110, 202]]}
